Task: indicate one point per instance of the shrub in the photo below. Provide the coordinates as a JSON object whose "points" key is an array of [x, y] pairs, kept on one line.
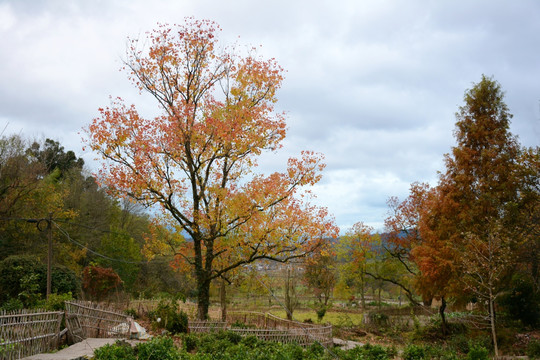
{"points": [[439, 352], [378, 319], [522, 302], [159, 348], [240, 325], [16, 267], [132, 313], [478, 352], [25, 277], [169, 317], [459, 343], [414, 352], [64, 280], [229, 336], [190, 342], [99, 282], [117, 351], [12, 305], [316, 349], [367, 352], [56, 302], [294, 351], [533, 349]]}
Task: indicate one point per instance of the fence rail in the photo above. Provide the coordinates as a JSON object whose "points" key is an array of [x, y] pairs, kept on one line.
{"points": [[268, 327], [196, 326], [90, 320], [28, 332]]}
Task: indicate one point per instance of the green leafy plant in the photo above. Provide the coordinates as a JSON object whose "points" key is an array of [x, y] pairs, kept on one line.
{"points": [[321, 311], [159, 348], [367, 352], [168, 316], [131, 313], [190, 342], [414, 352], [533, 349], [478, 352], [12, 305], [24, 277], [379, 319], [6, 349], [117, 351], [56, 302]]}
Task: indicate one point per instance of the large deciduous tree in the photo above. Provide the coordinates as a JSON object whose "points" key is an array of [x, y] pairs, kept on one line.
{"points": [[196, 159]]}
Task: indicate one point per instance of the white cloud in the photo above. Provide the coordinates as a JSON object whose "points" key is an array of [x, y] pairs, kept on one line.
{"points": [[374, 85]]}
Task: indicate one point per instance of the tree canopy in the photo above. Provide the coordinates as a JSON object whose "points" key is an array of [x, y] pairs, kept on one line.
{"points": [[196, 159]]}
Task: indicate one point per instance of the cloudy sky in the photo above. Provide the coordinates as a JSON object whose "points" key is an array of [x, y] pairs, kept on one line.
{"points": [[372, 84]]}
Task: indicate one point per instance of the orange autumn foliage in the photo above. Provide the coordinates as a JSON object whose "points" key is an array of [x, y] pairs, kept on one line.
{"points": [[196, 160]]}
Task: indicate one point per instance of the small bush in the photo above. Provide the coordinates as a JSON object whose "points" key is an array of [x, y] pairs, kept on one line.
{"points": [[321, 312], [159, 348], [522, 302], [169, 317], [229, 336], [12, 305], [240, 325], [533, 349], [294, 351], [99, 282], [56, 302], [367, 352], [117, 351], [378, 319], [25, 277], [478, 352], [190, 342], [459, 343], [414, 352], [251, 341], [316, 349], [439, 352], [132, 313]]}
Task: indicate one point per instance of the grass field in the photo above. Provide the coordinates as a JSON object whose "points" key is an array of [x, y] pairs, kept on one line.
{"points": [[334, 317]]}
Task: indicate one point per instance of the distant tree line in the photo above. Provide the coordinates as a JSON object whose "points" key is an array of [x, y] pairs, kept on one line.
{"points": [[89, 227]]}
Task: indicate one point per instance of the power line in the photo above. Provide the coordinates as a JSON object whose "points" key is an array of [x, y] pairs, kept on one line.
{"points": [[40, 221], [66, 234]]}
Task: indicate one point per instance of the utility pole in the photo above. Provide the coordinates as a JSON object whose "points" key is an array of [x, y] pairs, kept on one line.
{"points": [[49, 255]]}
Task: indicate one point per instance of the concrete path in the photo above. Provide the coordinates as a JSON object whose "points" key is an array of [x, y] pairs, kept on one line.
{"points": [[346, 344], [78, 350]]}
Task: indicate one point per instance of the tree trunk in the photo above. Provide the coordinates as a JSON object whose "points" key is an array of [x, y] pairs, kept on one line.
{"points": [[492, 321], [288, 301], [444, 327], [223, 300], [363, 291], [379, 298], [203, 298]]}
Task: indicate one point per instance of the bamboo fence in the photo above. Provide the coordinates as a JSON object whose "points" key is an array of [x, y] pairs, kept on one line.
{"points": [[89, 320], [28, 332], [268, 327], [201, 326]]}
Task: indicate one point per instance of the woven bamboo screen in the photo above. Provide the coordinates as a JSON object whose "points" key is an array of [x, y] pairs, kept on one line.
{"points": [[89, 320], [28, 332], [269, 327]]}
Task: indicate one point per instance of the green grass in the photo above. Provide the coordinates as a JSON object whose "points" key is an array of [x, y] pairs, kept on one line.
{"points": [[336, 318]]}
